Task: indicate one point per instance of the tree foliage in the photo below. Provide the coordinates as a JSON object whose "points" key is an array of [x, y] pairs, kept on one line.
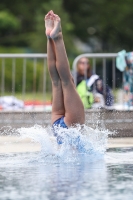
{"points": [[30, 15], [111, 21], [103, 23], [8, 23]]}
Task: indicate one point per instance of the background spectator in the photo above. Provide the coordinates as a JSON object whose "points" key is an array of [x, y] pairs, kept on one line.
{"points": [[128, 80], [90, 87]]}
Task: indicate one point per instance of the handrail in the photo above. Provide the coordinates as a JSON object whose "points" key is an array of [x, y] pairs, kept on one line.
{"points": [[23, 55]]}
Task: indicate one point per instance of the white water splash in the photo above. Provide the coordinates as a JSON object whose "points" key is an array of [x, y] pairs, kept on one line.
{"points": [[76, 142]]}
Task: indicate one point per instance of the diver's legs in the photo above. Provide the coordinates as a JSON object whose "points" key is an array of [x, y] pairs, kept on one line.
{"points": [[57, 102], [74, 110]]}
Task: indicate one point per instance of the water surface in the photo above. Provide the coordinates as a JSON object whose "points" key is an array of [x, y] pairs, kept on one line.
{"points": [[64, 173]]}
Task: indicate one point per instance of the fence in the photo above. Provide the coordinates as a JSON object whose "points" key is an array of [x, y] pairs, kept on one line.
{"points": [[17, 68], [11, 68], [95, 58]]}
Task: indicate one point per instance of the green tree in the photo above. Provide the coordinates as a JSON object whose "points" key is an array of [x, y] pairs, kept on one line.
{"points": [[38, 39], [24, 12], [8, 23], [30, 15], [109, 22]]}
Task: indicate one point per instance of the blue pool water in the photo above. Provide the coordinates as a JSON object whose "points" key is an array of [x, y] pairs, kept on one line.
{"points": [[64, 173]]}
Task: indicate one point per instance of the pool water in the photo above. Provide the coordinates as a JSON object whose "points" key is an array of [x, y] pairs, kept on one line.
{"points": [[97, 173]]}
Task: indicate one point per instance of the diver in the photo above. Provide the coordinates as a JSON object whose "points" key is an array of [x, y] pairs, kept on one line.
{"points": [[67, 107]]}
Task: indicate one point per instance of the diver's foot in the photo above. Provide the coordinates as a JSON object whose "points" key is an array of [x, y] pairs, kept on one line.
{"points": [[56, 31], [49, 23]]}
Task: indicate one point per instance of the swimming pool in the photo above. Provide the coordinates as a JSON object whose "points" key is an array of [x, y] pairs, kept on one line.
{"points": [[37, 175]]}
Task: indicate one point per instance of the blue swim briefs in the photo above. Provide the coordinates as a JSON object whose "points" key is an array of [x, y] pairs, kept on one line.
{"points": [[59, 123]]}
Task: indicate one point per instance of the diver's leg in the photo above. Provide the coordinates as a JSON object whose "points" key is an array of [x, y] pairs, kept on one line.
{"points": [[58, 102], [74, 110]]}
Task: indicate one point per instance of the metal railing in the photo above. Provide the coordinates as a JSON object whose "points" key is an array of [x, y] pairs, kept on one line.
{"points": [[35, 62], [9, 71], [35, 57], [33, 66]]}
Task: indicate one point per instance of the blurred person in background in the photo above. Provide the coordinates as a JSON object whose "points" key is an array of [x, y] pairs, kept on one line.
{"points": [[124, 62], [90, 87], [128, 81]]}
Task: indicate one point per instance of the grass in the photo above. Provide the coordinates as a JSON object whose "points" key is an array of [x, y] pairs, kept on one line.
{"points": [[31, 96], [39, 96]]}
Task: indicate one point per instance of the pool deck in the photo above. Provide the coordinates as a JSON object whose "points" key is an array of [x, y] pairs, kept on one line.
{"points": [[118, 122], [13, 144]]}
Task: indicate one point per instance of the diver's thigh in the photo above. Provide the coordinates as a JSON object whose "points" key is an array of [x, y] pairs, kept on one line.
{"points": [[58, 109], [74, 109]]}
